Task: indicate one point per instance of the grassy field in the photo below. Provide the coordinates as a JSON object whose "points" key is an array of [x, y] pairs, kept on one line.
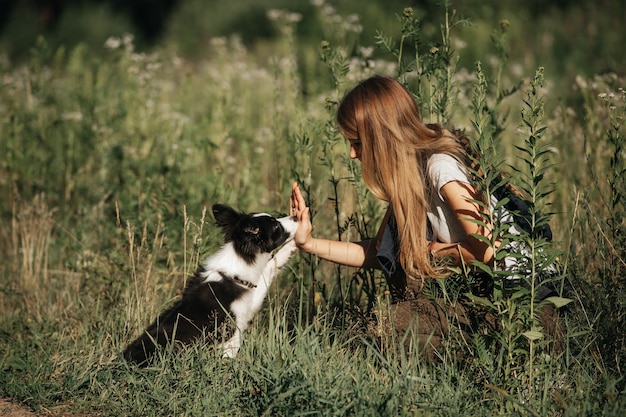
{"points": [[111, 157]]}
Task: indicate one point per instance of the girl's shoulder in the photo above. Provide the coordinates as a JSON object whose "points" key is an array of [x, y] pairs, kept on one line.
{"points": [[443, 168], [440, 161]]}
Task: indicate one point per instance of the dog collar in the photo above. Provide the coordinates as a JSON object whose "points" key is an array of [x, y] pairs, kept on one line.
{"points": [[237, 280]]}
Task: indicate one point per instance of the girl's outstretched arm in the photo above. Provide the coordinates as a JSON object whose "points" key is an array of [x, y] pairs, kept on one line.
{"points": [[357, 254]]}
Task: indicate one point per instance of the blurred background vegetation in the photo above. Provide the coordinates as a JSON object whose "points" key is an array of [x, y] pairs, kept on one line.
{"points": [[567, 37]]}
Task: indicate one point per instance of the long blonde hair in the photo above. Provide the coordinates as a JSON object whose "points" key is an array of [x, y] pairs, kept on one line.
{"points": [[395, 147]]}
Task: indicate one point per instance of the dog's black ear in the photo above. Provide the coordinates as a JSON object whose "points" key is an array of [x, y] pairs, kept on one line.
{"points": [[225, 216]]}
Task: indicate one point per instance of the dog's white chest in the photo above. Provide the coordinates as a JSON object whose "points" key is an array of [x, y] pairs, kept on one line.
{"points": [[245, 307]]}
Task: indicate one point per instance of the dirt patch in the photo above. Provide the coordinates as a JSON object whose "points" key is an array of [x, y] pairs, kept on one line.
{"points": [[12, 409], [9, 409]]}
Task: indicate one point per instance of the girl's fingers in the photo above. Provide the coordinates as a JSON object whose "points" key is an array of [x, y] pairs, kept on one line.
{"points": [[293, 202], [297, 201], [298, 195]]}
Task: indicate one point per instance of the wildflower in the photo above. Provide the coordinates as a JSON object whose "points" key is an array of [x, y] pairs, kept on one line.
{"points": [[273, 14], [293, 17], [127, 40], [459, 43], [504, 25], [218, 42], [366, 52], [328, 10], [407, 12], [113, 43], [74, 115], [138, 57], [353, 18], [325, 45], [581, 82]]}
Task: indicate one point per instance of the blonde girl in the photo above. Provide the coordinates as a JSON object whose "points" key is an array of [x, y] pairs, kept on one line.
{"points": [[419, 169]]}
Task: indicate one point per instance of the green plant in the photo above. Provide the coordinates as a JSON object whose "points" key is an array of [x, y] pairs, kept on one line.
{"points": [[603, 212]]}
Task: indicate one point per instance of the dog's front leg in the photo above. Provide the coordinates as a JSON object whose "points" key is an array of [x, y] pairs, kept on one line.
{"points": [[231, 346], [280, 258], [246, 308], [270, 271]]}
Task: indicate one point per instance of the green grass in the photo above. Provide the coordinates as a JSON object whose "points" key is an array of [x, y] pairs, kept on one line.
{"points": [[112, 156]]}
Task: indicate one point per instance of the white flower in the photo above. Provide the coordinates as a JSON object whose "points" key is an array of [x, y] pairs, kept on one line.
{"points": [[74, 115], [273, 14], [128, 39], [366, 52], [294, 17], [113, 43]]}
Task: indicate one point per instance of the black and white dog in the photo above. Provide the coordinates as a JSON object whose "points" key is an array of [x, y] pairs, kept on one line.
{"points": [[227, 291]]}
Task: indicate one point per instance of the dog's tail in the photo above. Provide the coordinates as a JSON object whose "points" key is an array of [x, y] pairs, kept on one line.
{"points": [[162, 331], [141, 351]]}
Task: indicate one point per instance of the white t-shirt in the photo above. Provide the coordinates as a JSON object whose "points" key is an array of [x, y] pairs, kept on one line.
{"points": [[442, 169], [445, 227]]}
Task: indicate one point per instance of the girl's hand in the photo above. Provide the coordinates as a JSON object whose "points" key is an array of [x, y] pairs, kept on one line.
{"points": [[300, 211]]}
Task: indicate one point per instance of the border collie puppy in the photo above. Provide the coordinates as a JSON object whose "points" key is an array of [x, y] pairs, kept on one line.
{"points": [[227, 291]]}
